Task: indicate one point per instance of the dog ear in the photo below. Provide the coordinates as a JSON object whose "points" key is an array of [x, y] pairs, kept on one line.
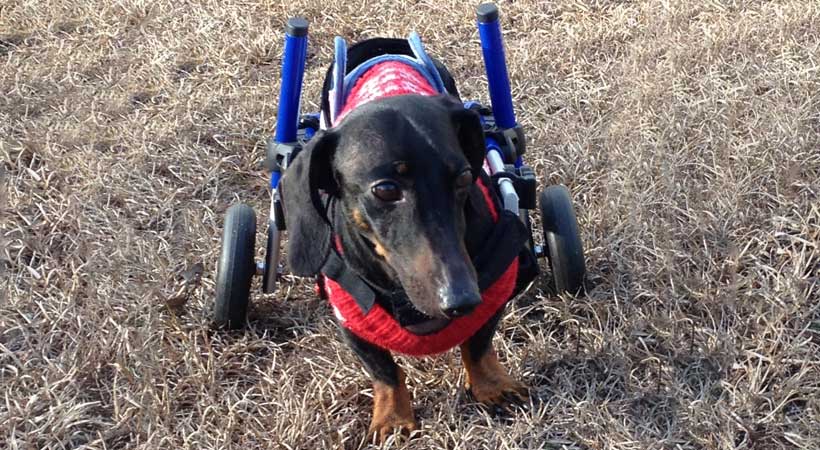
{"points": [[470, 134], [309, 231]]}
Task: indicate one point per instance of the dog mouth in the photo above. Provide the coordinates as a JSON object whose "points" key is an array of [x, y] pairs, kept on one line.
{"points": [[429, 326], [414, 320], [410, 317]]}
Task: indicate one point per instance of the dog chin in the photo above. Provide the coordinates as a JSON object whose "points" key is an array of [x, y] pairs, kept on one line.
{"points": [[422, 322], [428, 326]]}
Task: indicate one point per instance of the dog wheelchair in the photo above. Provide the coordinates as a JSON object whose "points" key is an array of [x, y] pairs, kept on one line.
{"points": [[505, 145]]}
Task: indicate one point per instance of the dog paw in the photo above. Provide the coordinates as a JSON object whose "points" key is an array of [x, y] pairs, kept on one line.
{"points": [[385, 426], [489, 383], [392, 409], [498, 391]]}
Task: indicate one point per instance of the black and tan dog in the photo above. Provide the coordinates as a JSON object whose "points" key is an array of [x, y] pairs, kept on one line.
{"points": [[392, 205]]}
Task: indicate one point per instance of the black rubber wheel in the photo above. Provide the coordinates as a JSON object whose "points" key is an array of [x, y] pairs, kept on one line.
{"points": [[562, 240], [236, 267]]}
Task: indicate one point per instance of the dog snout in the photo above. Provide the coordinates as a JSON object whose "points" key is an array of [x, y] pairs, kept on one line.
{"points": [[457, 303]]}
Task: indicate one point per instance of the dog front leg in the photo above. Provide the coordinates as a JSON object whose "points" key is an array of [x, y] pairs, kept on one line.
{"points": [[487, 380], [392, 408]]}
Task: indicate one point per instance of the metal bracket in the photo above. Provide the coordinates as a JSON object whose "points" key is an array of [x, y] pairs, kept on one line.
{"points": [[509, 197], [515, 139], [512, 140], [277, 155]]}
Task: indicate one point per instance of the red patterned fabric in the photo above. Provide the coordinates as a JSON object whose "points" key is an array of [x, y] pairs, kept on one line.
{"points": [[380, 328], [385, 79]]}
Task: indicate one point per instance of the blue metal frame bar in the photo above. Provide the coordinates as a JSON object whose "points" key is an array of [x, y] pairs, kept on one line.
{"points": [[287, 124], [293, 71], [337, 86], [492, 48], [290, 92]]}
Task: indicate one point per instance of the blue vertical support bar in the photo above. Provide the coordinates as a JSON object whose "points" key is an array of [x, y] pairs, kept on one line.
{"points": [[287, 123], [492, 47], [498, 81], [293, 72]]}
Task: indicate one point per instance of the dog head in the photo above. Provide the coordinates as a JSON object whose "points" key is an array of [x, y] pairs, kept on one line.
{"points": [[400, 169]]}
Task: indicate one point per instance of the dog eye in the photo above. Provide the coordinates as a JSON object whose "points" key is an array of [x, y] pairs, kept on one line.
{"points": [[387, 191], [464, 179]]}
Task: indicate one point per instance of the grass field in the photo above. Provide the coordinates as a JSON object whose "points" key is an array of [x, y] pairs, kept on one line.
{"points": [[688, 132]]}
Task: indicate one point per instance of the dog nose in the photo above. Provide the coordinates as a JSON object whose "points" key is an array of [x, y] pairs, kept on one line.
{"points": [[459, 304]]}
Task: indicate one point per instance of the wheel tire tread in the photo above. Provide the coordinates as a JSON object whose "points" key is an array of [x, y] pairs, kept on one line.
{"points": [[562, 239], [236, 267]]}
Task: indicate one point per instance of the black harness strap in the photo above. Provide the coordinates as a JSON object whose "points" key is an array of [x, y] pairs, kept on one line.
{"points": [[337, 270], [504, 244]]}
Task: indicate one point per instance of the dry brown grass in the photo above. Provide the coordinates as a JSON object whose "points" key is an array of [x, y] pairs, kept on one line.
{"points": [[689, 133]]}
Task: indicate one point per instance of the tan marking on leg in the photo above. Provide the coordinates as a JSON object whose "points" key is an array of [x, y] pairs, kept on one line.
{"points": [[391, 409], [488, 381]]}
